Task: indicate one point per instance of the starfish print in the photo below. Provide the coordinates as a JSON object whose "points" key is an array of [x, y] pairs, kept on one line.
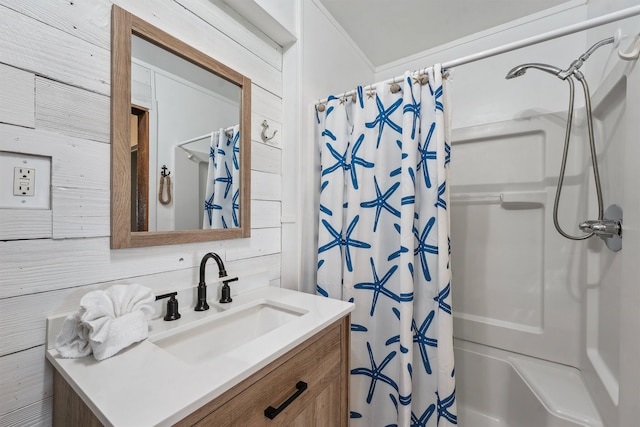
{"points": [[235, 207], [381, 201], [228, 180], [384, 118], [336, 237], [424, 418], [444, 405], [236, 151], [442, 203], [425, 155], [420, 338], [378, 287], [442, 296], [355, 160], [349, 242], [412, 108], [341, 162], [376, 372], [423, 248], [209, 206]]}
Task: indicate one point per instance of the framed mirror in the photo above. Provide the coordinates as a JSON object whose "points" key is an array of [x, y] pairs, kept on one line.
{"points": [[180, 140]]}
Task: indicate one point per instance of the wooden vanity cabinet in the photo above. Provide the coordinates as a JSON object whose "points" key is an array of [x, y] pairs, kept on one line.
{"points": [[322, 362]]}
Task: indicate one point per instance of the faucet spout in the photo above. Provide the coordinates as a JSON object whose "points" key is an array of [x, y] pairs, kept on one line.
{"points": [[202, 286]]}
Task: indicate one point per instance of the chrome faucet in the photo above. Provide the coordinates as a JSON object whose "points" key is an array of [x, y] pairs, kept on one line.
{"points": [[202, 286]]}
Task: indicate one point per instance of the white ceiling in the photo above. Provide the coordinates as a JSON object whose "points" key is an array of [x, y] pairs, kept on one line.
{"points": [[387, 30]]}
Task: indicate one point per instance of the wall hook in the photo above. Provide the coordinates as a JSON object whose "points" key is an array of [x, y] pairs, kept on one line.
{"points": [[632, 54], [165, 181], [263, 134]]}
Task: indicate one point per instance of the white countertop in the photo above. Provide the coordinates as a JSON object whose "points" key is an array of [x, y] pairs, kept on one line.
{"points": [[144, 385]]}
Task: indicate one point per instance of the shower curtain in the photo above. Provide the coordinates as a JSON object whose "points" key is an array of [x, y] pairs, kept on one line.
{"points": [[221, 201], [383, 244]]}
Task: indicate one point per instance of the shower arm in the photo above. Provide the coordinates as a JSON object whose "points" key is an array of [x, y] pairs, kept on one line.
{"points": [[575, 65]]}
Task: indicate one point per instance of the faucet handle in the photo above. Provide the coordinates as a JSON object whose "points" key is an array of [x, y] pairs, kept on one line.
{"points": [[172, 306], [226, 290], [226, 282]]}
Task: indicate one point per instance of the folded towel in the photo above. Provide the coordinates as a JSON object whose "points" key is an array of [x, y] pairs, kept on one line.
{"points": [[107, 322]]}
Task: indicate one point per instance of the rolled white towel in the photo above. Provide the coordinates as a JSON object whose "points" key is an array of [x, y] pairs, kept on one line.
{"points": [[73, 339], [107, 322], [119, 333]]}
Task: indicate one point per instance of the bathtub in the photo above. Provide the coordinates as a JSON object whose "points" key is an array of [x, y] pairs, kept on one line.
{"points": [[496, 388]]}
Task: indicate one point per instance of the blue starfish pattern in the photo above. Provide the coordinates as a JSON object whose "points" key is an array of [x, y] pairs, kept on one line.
{"points": [[437, 94], [228, 179], [423, 419], [236, 151], [209, 207], [443, 408], [384, 118], [442, 296], [420, 338], [441, 203], [341, 162], [235, 208], [423, 248], [426, 155], [375, 373], [377, 286], [350, 242], [337, 238], [355, 160], [380, 202], [412, 108]]}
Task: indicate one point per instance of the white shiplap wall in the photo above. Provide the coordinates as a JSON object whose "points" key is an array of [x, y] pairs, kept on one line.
{"points": [[54, 101]]}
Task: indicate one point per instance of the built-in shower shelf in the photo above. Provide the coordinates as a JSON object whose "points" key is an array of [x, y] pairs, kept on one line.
{"points": [[508, 199]]}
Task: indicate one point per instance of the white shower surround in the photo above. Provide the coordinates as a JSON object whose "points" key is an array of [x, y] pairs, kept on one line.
{"points": [[552, 299]]}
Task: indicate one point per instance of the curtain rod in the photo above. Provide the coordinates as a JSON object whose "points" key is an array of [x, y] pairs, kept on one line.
{"points": [[550, 35]]}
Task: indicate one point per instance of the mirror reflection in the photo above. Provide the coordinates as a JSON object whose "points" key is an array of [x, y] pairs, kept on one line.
{"points": [[185, 150]]}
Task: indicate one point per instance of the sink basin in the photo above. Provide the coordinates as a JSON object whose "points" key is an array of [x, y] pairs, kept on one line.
{"points": [[224, 332]]}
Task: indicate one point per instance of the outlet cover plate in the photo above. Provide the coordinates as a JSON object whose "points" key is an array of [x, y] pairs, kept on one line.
{"points": [[40, 178]]}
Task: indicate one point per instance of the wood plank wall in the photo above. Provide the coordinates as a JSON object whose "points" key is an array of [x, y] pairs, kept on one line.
{"points": [[54, 101]]}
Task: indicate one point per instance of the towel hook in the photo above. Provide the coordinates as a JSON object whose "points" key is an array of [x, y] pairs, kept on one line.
{"points": [[263, 134]]}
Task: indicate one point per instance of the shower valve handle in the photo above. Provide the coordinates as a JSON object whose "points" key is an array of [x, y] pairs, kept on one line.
{"points": [[602, 228]]}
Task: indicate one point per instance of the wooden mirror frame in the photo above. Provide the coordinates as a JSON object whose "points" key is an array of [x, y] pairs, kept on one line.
{"points": [[123, 26]]}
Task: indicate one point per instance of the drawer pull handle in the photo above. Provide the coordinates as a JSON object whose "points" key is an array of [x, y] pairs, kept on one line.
{"points": [[272, 412]]}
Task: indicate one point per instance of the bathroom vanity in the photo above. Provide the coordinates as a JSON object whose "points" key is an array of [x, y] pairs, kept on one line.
{"points": [[294, 374]]}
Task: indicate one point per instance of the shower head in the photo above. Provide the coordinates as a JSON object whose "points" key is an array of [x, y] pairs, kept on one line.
{"points": [[521, 69]]}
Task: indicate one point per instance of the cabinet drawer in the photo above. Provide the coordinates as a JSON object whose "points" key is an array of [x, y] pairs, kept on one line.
{"points": [[318, 365]]}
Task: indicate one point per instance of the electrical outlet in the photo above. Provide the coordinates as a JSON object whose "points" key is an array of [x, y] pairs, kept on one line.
{"points": [[24, 181]]}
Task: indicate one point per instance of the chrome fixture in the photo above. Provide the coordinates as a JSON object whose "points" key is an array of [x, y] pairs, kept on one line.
{"points": [[608, 229], [202, 286], [521, 69], [568, 75]]}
